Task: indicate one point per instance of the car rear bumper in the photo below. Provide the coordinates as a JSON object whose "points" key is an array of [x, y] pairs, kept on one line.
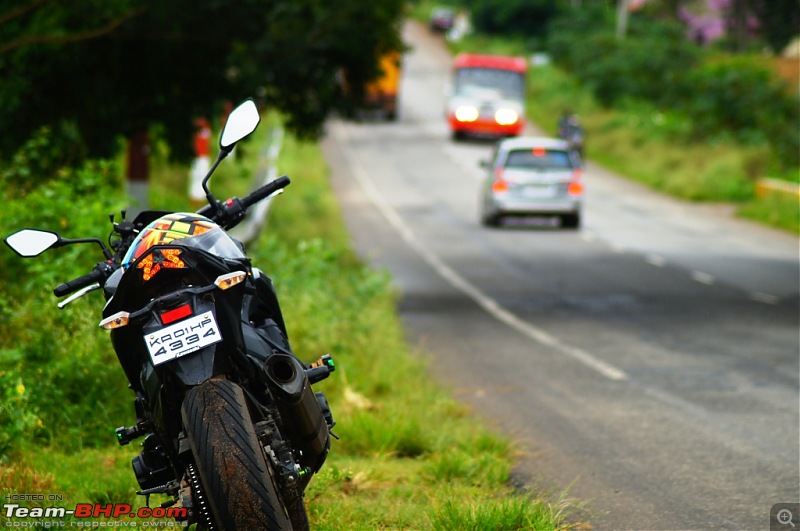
{"points": [[486, 127], [500, 205]]}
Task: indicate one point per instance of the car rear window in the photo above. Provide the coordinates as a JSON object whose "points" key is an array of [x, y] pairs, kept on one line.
{"points": [[539, 159]]}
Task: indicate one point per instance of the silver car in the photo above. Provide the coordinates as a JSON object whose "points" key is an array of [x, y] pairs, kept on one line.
{"points": [[532, 176]]}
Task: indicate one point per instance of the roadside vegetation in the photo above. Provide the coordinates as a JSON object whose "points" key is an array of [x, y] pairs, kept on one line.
{"points": [[699, 124], [409, 457]]}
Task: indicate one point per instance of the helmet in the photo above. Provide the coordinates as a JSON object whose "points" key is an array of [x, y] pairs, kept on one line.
{"points": [[192, 230]]}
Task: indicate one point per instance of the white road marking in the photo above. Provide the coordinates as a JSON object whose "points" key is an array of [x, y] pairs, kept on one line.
{"points": [[656, 260], [619, 249], [766, 298], [703, 278], [457, 281]]}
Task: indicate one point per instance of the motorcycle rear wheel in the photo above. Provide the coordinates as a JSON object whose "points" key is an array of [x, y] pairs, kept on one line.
{"points": [[233, 469]]}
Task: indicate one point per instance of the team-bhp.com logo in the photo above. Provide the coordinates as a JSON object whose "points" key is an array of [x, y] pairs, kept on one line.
{"points": [[122, 514]]}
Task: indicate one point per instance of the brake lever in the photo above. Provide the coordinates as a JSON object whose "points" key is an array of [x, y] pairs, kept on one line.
{"points": [[77, 295]]}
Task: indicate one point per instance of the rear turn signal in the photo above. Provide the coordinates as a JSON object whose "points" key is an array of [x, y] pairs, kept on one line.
{"points": [[229, 280], [118, 320]]}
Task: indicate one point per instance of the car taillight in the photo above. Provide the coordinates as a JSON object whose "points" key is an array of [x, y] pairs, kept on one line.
{"points": [[499, 186], [575, 185]]}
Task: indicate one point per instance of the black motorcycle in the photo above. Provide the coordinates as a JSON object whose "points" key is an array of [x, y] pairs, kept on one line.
{"points": [[233, 431]]}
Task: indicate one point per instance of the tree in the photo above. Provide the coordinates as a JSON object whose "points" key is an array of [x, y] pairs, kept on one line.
{"points": [[120, 67], [526, 18], [779, 21]]}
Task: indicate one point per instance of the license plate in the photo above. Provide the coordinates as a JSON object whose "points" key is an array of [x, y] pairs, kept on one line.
{"points": [[539, 191], [182, 338]]}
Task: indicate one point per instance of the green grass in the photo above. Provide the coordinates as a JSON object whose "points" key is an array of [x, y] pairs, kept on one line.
{"points": [[410, 457], [775, 209]]}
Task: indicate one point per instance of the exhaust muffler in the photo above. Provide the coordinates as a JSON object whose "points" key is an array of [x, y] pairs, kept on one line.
{"points": [[300, 411]]}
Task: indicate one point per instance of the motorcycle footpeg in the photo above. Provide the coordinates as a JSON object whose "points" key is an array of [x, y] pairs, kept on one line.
{"points": [[126, 434], [320, 369]]}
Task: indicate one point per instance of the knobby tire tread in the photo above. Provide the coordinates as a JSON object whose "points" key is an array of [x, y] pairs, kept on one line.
{"points": [[229, 459]]}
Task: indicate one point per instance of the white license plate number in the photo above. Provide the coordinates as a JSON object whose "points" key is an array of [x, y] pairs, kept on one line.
{"points": [[535, 192], [182, 338]]}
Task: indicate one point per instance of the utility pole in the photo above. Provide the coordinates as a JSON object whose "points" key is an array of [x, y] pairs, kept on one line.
{"points": [[622, 18], [737, 25], [138, 170]]}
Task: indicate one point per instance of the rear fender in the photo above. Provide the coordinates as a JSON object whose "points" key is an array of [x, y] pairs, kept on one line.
{"points": [[195, 368]]}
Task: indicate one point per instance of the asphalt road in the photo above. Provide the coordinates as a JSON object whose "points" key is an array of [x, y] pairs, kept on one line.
{"points": [[646, 364]]}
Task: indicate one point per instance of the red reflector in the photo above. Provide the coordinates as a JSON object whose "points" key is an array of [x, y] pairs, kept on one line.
{"points": [[176, 314]]}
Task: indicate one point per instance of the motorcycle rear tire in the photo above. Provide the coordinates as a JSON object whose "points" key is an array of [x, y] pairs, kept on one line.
{"points": [[233, 469]]}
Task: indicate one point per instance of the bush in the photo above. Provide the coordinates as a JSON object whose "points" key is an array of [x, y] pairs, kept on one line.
{"points": [[648, 64], [729, 98], [739, 95], [57, 365]]}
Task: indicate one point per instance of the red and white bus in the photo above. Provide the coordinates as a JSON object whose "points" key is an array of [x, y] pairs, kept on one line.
{"points": [[487, 95]]}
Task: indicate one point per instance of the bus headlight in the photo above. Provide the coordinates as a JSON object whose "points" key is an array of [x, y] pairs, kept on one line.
{"points": [[466, 113], [506, 116]]}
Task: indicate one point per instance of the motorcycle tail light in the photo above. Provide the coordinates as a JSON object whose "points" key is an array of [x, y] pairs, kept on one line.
{"points": [[229, 280], [160, 259], [177, 314], [118, 320]]}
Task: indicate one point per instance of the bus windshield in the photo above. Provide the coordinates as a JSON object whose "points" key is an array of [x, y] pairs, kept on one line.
{"points": [[470, 81]]}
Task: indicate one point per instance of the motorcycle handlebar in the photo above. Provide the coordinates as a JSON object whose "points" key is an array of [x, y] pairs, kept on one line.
{"points": [[265, 191], [230, 212], [98, 274]]}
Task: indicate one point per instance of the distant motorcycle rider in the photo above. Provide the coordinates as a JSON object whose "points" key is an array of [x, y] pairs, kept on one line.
{"points": [[570, 129]]}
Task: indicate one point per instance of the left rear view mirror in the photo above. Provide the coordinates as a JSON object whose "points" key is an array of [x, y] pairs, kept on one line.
{"points": [[32, 242]]}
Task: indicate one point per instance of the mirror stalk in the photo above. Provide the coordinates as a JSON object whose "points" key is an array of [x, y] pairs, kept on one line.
{"points": [[209, 196], [106, 252]]}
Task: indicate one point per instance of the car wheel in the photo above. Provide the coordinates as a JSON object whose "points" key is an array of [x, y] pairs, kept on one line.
{"points": [[571, 221], [491, 220]]}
